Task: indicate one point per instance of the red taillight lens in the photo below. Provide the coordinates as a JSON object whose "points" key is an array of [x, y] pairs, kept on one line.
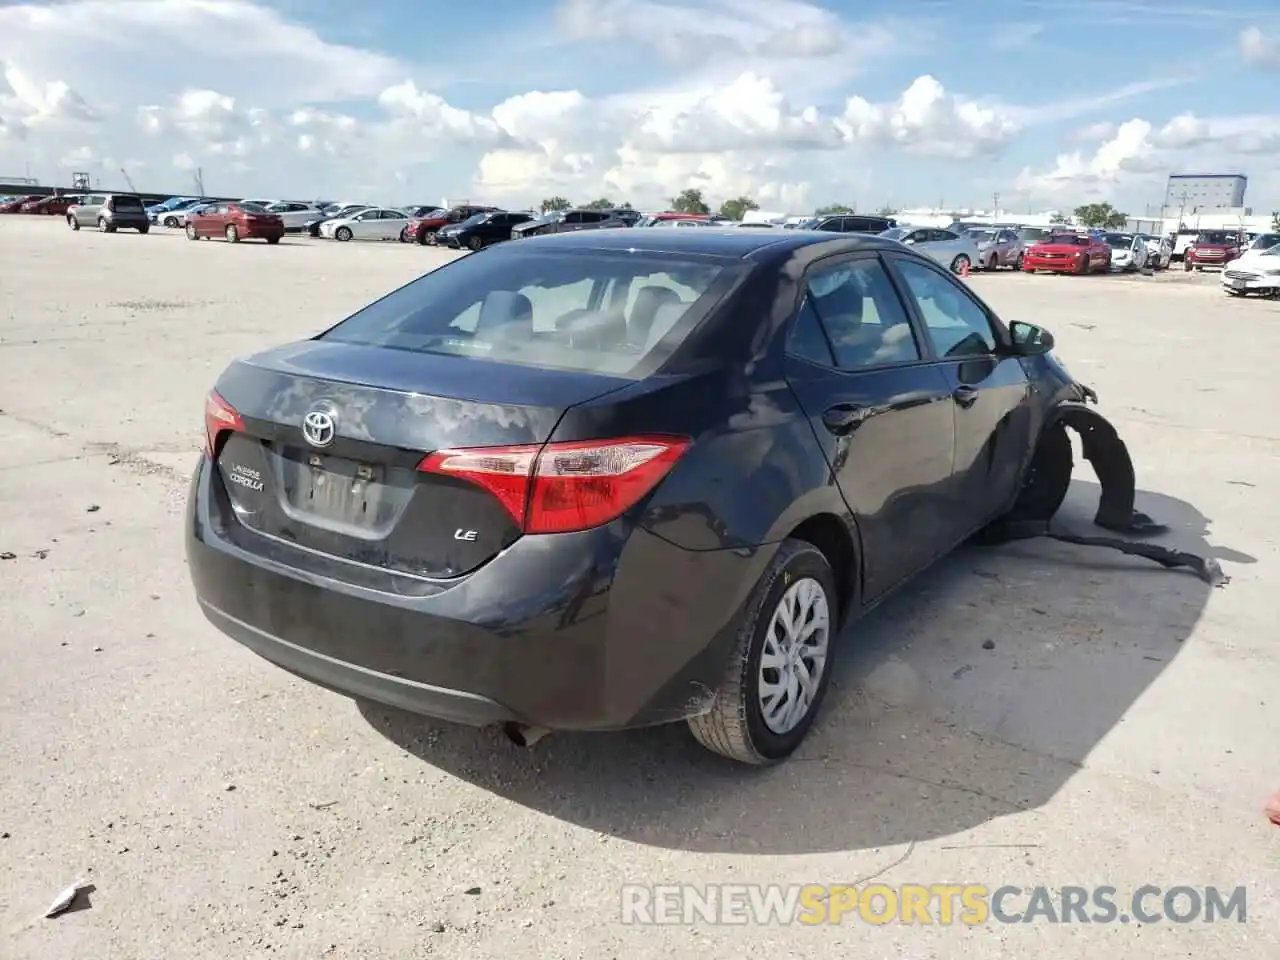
{"points": [[219, 416], [562, 487]]}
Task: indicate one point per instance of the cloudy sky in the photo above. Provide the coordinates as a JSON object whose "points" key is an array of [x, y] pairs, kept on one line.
{"points": [[793, 102]]}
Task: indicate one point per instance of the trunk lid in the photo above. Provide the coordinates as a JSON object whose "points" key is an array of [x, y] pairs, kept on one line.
{"points": [[331, 436]]}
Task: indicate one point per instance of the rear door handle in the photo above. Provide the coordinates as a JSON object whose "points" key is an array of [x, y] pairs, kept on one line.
{"points": [[965, 396], [843, 417]]}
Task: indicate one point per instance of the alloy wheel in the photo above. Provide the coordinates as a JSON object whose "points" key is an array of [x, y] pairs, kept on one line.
{"points": [[794, 656]]}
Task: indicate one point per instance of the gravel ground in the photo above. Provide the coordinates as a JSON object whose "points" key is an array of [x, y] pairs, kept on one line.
{"points": [[1036, 714]]}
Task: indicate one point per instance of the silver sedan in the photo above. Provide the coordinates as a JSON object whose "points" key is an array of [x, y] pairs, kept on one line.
{"points": [[955, 251]]}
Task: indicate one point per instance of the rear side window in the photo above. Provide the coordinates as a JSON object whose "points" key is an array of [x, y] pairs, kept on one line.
{"points": [[860, 311], [602, 313]]}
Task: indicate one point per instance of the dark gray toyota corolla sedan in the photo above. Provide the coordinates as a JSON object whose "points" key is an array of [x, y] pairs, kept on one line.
{"points": [[618, 478]]}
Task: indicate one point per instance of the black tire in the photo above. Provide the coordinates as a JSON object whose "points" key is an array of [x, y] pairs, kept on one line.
{"points": [[422, 237], [144, 228], [231, 233], [104, 226], [959, 264], [1017, 264], [1086, 266], [343, 234], [72, 222], [273, 240], [994, 263], [1187, 265], [475, 244], [404, 234], [171, 222], [191, 232], [1048, 478], [735, 726]]}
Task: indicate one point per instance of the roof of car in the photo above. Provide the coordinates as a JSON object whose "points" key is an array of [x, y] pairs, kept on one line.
{"points": [[709, 241]]}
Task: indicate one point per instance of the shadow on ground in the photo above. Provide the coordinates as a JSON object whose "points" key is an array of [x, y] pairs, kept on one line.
{"points": [[925, 733]]}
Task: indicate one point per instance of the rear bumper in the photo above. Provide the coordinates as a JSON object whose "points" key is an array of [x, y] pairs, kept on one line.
{"points": [[586, 631]]}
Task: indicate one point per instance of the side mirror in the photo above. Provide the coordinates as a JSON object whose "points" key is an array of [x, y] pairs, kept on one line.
{"points": [[1030, 340]]}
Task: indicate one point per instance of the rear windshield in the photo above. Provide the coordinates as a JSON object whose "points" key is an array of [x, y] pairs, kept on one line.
{"points": [[1216, 237], [1069, 239], [587, 312], [252, 207], [126, 203]]}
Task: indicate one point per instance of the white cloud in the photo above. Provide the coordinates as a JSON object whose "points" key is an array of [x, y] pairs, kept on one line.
{"points": [[1260, 49], [1138, 152], [927, 119], [117, 47]]}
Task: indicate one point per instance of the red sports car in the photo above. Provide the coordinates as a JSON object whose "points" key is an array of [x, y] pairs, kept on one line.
{"points": [[1068, 253], [236, 222]]}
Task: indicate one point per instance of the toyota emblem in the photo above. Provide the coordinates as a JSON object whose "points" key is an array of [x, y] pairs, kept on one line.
{"points": [[320, 426]]}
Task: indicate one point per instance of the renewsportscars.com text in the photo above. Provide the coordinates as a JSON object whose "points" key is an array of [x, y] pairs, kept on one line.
{"points": [[928, 904]]}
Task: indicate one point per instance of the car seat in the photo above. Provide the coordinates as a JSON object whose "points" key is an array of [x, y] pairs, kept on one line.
{"points": [[505, 315]]}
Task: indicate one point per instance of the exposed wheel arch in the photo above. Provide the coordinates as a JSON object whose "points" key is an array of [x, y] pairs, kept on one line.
{"points": [[831, 535]]}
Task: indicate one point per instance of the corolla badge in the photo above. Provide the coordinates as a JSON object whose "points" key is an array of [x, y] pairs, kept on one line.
{"points": [[320, 425]]}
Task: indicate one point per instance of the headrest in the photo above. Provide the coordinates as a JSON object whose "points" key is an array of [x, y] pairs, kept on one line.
{"points": [[503, 310], [648, 301], [664, 318]]}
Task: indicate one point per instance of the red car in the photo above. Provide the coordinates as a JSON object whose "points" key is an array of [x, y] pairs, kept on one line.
{"points": [[1068, 253], [15, 205], [1213, 248], [424, 229], [51, 206], [236, 222]]}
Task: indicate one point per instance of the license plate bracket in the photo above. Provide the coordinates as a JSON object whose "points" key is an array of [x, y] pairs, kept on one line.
{"points": [[337, 490]]}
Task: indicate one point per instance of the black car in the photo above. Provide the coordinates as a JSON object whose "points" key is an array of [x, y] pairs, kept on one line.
{"points": [[571, 221], [482, 230], [614, 479], [848, 223]]}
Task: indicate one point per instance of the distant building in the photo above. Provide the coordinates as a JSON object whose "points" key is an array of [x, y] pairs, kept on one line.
{"points": [[1203, 192]]}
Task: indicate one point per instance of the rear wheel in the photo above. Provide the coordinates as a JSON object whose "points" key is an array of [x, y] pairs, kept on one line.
{"points": [[960, 264], [427, 237], [143, 228], [104, 226], [343, 233], [994, 263], [273, 240], [232, 234], [778, 670], [170, 221], [72, 222], [475, 243], [191, 232], [1017, 264]]}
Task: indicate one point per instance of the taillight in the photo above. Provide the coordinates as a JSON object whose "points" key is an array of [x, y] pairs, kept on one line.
{"points": [[219, 417], [562, 487]]}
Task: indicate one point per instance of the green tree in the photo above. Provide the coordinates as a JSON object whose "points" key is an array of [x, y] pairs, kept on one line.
{"points": [[735, 209], [604, 203], [1275, 220], [886, 211], [832, 208], [690, 201], [625, 206], [1100, 215], [1058, 218], [555, 203]]}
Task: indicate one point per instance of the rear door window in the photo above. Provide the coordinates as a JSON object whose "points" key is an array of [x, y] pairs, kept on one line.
{"points": [[603, 313], [864, 319]]}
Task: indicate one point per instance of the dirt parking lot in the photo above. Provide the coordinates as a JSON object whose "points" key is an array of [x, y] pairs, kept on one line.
{"points": [[1121, 730]]}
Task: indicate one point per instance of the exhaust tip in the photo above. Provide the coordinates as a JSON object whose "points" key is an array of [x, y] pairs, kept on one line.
{"points": [[524, 735]]}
